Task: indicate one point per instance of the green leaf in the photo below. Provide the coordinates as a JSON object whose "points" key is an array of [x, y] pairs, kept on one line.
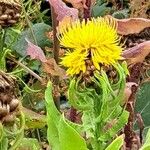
{"points": [[121, 121], [3, 139], [70, 138], [61, 134], [33, 119], [121, 14], [143, 103], [4, 143], [116, 144], [100, 10], [146, 145], [30, 144], [39, 33], [53, 117]]}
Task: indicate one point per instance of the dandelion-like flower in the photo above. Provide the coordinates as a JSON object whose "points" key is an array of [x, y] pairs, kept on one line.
{"points": [[96, 39]]}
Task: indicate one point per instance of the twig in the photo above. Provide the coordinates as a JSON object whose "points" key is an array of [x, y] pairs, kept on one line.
{"points": [[130, 135], [28, 70]]}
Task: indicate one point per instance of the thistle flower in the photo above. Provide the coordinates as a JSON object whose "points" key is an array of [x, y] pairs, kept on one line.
{"points": [[95, 39]]}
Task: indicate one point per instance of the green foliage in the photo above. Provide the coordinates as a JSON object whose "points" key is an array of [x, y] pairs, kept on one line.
{"points": [[146, 145], [33, 119], [60, 134], [100, 9], [100, 107], [30, 144], [4, 143], [38, 33], [116, 144], [143, 103], [121, 14]]}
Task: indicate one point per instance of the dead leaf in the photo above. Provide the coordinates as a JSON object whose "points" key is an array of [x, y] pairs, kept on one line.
{"points": [[35, 52], [128, 91], [137, 53], [132, 25], [51, 67], [49, 35], [62, 10]]}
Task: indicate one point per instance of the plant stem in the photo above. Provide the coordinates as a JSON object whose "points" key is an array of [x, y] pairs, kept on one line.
{"points": [[56, 41], [87, 12], [29, 23], [98, 126], [28, 70], [55, 53], [2, 51]]}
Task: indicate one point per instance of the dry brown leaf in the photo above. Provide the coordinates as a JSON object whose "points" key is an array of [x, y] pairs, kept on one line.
{"points": [[35, 52], [132, 25], [137, 53], [62, 10], [128, 91], [51, 67]]}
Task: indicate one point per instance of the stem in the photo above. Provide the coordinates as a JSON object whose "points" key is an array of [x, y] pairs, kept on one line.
{"points": [[97, 144], [55, 53], [130, 135], [55, 39], [28, 70], [128, 130], [87, 12], [2, 40], [2, 51], [29, 23]]}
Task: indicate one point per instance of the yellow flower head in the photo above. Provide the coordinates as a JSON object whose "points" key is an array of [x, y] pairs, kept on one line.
{"points": [[95, 39]]}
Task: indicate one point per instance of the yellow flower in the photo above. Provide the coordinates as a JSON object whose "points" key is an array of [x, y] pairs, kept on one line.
{"points": [[75, 61], [96, 39]]}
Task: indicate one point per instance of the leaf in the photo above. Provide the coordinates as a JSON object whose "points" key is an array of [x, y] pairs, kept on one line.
{"points": [[4, 143], [100, 10], [29, 144], [33, 119], [52, 68], [146, 145], [60, 134], [127, 92], [69, 137], [137, 53], [121, 121], [39, 31], [121, 14], [132, 25], [142, 104], [35, 52], [53, 117], [62, 10], [116, 144]]}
